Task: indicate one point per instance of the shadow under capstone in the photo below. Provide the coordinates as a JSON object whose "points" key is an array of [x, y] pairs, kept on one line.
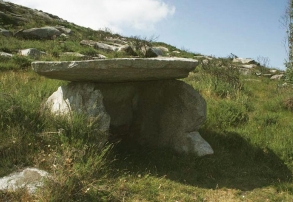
{"points": [[236, 163]]}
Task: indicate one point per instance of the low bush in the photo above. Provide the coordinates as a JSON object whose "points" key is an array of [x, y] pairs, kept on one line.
{"points": [[288, 104], [226, 113], [21, 61]]}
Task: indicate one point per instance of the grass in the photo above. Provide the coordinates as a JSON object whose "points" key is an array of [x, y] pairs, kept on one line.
{"points": [[249, 126], [248, 129]]}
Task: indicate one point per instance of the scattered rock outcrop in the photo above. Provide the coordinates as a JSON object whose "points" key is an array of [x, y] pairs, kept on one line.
{"points": [[39, 33], [160, 50], [5, 32], [158, 111], [12, 18], [99, 45], [245, 61], [30, 178], [43, 15], [5, 55], [124, 47], [277, 77], [80, 98], [63, 29], [32, 53]]}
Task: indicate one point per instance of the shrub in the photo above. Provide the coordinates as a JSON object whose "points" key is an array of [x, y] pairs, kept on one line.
{"points": [[224, 78], [226, 113], [266, 119], [89, 52], [21, 61], [288, 104]]}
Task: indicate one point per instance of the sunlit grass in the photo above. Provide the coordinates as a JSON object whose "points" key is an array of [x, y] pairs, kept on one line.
{"points": [[251, 136]]}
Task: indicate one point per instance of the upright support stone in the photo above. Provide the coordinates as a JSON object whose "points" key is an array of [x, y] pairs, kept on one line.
{"points": [[141, 96], [82, 99]]}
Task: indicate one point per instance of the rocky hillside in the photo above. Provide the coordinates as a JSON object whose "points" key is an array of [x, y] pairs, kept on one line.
{"points": [[27, 34]]}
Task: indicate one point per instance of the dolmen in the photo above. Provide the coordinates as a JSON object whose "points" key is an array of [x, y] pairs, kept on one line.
{"points": [[137, 98]]}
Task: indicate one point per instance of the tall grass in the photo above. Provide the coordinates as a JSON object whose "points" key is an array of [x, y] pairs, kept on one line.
{"points": [[249, 128]]}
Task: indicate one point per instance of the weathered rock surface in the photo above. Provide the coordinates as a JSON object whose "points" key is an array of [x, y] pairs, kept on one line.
{"points": [[63, 29], [99, 45], [176, 52], [245, 71], [39, 33], [249, 66], [30, 178], [149, 52], [154, 113], [12, 18], [116, 70], [81, 99], [44, 15], [277, 77], [32, 53], [121, 47], [116, 40], [99, 56], [244, 61], [203, 57], [5, 55], [127, 49], [160, 50], [5, 32], [198, 145]]}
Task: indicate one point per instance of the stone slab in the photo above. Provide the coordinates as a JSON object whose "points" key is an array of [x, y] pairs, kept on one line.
{"points": [[116, 70]]}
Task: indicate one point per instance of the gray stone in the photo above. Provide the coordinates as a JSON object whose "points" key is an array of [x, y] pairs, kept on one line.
{"points": [[198, 56], [32, 53], [197, 145], [44, 15], [154, 113], [176, 52], [250, 66], [106, 47], [277, 77], [245, 71], [116, 70], [203, 57], [149, 52], [116, 40], [39, 33], [63, 29], [87, 43], [5, 55], [160, 50], [99, 45], [258, 73], [81, 99], [205, 61], [127, 49], [99, 56], [30, 178], [63, 36], [244, 61], [13, 18], [165, 111], [5, 32]]}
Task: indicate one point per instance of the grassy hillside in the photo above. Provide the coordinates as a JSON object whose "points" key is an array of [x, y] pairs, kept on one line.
{"points": [[249, 126]]}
